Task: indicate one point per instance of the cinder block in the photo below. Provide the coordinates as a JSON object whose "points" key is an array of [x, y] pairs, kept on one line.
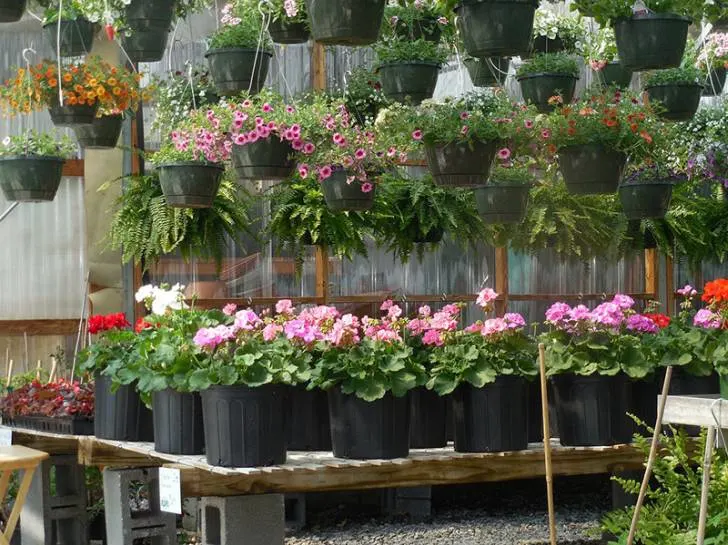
{"points": [[295, 511], [191, 514], [243, 520], [413, 501], [124, 524]]}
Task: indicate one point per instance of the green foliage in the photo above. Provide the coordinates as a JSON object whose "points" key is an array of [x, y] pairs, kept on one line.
{"points": [[363, 95], [508, 175], [176, 96], [112, 351], [549, 63], [369, 369], [247, 33], [145, 228], [692, 348], [44, 144], [682, 75], [606, 12], [404, 50], [601, 45]]}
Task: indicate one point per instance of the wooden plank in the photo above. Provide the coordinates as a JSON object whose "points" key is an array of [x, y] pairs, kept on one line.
{"points": [[39, 327], [74, 168], [20, 457], [47, 442], [698, 410], [652, 273], [322, 273], [501, 280], [96, 452], [318, 68], [669, 285]]}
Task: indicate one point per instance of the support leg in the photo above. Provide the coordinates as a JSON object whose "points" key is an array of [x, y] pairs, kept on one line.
{"points": [[707, 464], [414, 501], [243, 520]]}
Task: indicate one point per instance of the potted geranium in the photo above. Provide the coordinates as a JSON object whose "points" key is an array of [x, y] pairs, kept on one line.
{"points": [[119, 412], [12, 10], [602, 57], [553, 33], [367, 369], [415, 19], [190, 161], [713, 61], [591, 356], [504, 198], [345, 22], [239, 52], [594, 136], [408, 70], [486, 367], [548, 75], [31, 165], [678, 91], [76, 31], [487, 71], [646, 192], [496, 29]]}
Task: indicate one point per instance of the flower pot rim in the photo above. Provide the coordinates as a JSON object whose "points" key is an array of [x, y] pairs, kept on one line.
{"points": [[656, 85], [239, 387], [219, 166], [409, 63], [210, 52], [53, 158], [661, 181], [653, 16], [460, 142], [475, 2], [547, 74], [590, 145], [510, 185], [74, 20]]}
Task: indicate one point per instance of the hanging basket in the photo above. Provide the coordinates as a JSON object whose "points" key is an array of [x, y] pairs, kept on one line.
{"points": [[544, 44], [102, 133], [539, 88], [269, 159], [30, 178], [146, 45], [190, 184], [679, 100], [409, 82], [142, 15], [714, 82], [498, 28], [502, 203], [615, 74], [295, 33], [646, 200], [73, 115], [591, 169], [427, 28], [433, 236], [77, 36], [342, 196], [461, 164], [345, 22], [488, 71], [12, 10], [237, 69], [651, 41]]}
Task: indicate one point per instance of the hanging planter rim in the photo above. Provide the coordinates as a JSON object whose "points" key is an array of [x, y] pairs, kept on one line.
{"points": [[653, 16], [663, 85], [53, 158], [661, 181], [491, 185], [473, 2], [547, 74], [192, 163], [412, 63], [74, 20], [234, 49]]}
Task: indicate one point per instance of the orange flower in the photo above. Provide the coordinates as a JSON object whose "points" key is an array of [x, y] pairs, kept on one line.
{"points": [[67, 77], [551, 148], [611, 123], [117, 91], [716, 292], [634, 127], [111, 82], [646, 137], [52, 82]]}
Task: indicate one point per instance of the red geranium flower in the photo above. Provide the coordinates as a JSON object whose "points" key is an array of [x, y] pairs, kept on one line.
{"points": [[660, 320]]}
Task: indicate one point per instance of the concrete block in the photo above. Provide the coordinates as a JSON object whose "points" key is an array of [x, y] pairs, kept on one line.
{"points": [[243, 520], [191, 514], [413, 501], [295, 511]]}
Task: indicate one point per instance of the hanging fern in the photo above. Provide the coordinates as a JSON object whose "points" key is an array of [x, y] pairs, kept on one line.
{"points": [[145, 228]]}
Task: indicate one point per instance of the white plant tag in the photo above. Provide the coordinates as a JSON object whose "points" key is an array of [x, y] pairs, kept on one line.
{"points": [[170, 490]]}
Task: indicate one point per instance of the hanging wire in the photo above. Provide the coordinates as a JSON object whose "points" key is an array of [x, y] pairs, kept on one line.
{"points": [[58, 52], [258, 50]]}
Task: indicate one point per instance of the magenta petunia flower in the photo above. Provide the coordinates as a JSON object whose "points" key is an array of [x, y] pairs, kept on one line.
{"points": [[504, 154], [417, 135], [366, 187]]}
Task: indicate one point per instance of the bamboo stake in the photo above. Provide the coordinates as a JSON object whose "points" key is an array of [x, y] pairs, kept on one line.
{"points": [[652, 456], [37, 370], [547, 443], [53, 370], [705, 489], [10, 374]]}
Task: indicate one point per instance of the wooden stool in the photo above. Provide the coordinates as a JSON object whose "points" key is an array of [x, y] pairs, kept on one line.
{"points": [[17, 458]]}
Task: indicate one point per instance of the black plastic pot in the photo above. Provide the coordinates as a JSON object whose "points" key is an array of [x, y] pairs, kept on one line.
{"points": [[488, 71], [341, 196], [651, 41], [614, 73], [643, 403], [307, 423], [498, 28], [543, 44], [142, 15], [146, 45], [459, 164], [409, 82], [539, 88], [237, 69], [365, 430], [103, 133], [296, 33], [245, 427], [592, 410], [77, 36], [178, 423], [679, 100], [269, 159], [30, 178], [646, 200], [428, 419], [12, 10], [591, 169], [345, 22], [714, 82], [427, 28], [120, 415], [502, 203], [493, 418], [73, 115], [190, 184]]}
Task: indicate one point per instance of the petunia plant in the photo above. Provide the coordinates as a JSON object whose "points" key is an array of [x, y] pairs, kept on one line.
{"points": [[200, 137]]}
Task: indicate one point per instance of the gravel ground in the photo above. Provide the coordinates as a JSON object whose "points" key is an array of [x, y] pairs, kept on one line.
{"points": [[503, 514]]}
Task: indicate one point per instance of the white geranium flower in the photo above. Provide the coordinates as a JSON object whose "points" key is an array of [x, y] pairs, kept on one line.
{"points": [[145, 292]]}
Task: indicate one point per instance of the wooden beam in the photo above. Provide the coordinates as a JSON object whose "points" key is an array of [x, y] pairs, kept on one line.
{"points": [[97, 452], [39, 327], [322, 274], [501, 280], [318, 67], [669, 286], [652, 273], [74, 167], [47, 442]]}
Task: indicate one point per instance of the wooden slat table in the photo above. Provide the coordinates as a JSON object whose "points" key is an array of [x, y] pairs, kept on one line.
{"points": [[17, 458]]}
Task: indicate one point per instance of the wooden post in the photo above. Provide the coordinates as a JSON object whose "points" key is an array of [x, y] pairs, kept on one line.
{"points": [[501, 280], [137, 167], [318, 67], [669, 285], [322, 273], [318, 82], [652, 273]]}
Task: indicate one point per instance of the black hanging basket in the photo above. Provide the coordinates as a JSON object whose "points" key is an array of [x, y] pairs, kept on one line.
{"points": [[591, 169], [190, 184], [679, 100], [12, 10], [364, 430], [77, 36], [269, 159], [30, 178], [345, 22], [646, 200], [342, 196], [416, 233], [428, 419], [651, 41], [146, 45], [539, 88], [714, 82], [497, 28], [142, 15], [103, 133], [73, 115], [493, 418], [544, 44], [120, 415], [488, 71], [307, 424], [409, 82], [178, 423], [461, 164], [615, 74], [502, 203], [289, 34], [237, 69], [244, 427]]}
